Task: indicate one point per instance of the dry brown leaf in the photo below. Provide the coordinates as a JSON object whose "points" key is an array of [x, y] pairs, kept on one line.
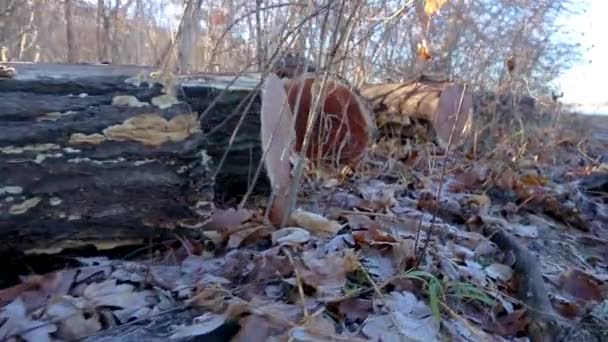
{"points": [[315, 223], [269, 264], [227, 219], [317, 328], [580, 285], [361, 221], [238, 237], [256, 328], [36, 290], [373, 236], [513, 323], [327, 274], [533, 180], [354, 309]]}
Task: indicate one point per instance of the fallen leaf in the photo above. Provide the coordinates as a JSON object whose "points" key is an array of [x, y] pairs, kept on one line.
{"points": [[123, 296], [315, 223], [256, 329], [373, 236], [378, 264], [204, 324], [499, 271], [238, 237], [318, 328], [328, 274], [513, 323], [16, 323], [533, 180], [361, 221], [580, 285], [354, 309], [414, 320], [226, 220], [36, 290], [72, 324], [290, 236], [269, 264]]}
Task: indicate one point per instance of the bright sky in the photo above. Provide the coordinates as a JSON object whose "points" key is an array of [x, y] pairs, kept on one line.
{"points": [[586, 83]]}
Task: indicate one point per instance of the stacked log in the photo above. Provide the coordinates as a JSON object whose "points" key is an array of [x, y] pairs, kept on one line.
{"points": [[444, 106]]}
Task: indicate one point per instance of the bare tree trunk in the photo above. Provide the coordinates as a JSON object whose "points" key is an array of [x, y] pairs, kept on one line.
{"points": [[187, 35], [99, 27], [260, 53], [69, 32]]}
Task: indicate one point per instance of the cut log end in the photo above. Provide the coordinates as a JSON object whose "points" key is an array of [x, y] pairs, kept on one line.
{"points": [[438, 103], [341, 133], [453, 116]]}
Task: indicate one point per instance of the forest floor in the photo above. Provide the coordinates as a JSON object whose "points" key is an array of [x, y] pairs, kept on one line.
{"points": [[506, 244]]}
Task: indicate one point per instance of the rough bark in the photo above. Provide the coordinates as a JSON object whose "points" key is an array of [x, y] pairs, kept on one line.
{"points": [[78, 168], [435, 102], [69, 28]]}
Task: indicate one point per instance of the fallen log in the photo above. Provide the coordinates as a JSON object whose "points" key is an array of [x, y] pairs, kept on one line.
{"points": [[445, 106], [100, 155]]}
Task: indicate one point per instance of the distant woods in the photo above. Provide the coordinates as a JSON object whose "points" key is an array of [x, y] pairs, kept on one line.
{"points": [[363, 40]]}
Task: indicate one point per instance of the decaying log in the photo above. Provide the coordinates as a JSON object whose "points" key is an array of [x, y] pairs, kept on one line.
{"points": [[89, 155], [436, 102]]}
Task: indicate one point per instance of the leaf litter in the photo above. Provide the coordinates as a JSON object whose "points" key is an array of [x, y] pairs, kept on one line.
{"points": [[373, 258]]}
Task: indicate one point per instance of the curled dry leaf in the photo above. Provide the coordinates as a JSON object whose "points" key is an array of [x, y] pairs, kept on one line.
{"points": [[290, 236], [315, 223], [238, 237], [373, 236]]}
